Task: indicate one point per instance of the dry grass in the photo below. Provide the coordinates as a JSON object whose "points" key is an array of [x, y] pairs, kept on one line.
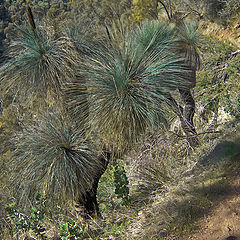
{"points": [[173, 188]]}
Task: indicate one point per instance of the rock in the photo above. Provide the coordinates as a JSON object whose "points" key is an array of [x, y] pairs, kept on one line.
{"points": [[231, 238]]}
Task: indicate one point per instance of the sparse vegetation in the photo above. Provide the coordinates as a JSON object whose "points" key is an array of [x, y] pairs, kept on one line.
{"points": [[128, 129]]}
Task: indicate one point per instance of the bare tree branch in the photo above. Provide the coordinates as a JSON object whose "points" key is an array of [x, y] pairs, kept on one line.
{"points": [[170, 8], [194, 135], [165, 8]]}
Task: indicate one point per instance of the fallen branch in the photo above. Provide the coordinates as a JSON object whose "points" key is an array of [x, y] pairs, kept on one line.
{"points": [[194, 135]]}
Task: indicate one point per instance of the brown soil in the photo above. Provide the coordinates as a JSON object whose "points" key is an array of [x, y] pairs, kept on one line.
{"points": [[223, 223]]}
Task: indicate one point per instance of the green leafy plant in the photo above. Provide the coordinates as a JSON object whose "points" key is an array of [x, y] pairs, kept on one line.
{"points": [[121, 184], [29, 223], [71, 230], [106, 189], [233, 105]]}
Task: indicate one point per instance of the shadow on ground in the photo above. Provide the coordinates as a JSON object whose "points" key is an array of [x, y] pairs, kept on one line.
{"points": [[221, 151], [202, 195]]}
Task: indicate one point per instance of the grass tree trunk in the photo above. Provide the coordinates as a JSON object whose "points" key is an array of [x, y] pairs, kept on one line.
{"points": [[187, 116], [90, 203]]}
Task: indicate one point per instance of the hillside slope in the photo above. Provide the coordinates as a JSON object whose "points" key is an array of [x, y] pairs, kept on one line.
{"points": [[224, 220]]}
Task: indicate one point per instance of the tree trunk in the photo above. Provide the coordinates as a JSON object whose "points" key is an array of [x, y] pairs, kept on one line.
{"points": [[89, 203], [187, 116]]}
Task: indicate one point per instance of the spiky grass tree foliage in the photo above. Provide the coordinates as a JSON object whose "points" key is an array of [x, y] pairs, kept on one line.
{"points": [[128, 87], [81, 38], [52, 157], [187, 47], [154, 36], [39, 63]]}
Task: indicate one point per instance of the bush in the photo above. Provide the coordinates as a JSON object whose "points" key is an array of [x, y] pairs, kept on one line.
{"points": [[222, 9], [71, 231], [24, 223], [217, 75]]}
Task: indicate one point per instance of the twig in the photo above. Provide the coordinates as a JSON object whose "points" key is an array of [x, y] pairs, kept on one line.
{"points": [[236, 52], [32, 25], [166, 10], [193, 135], [93, 220]]}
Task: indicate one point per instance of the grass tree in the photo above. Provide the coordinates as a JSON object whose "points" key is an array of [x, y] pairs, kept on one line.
{"points": [[40, 62], [183, 39], [50, 155], [115, 94], [127, 87], [53, 157], [187, 47]]}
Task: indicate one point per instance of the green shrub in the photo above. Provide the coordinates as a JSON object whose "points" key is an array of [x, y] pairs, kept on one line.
{"points": [[233, 105], [71, 230], [29, 223], [218, 74], [121, 184]]}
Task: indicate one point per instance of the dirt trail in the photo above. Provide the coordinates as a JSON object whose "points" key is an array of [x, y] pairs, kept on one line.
{"points": [[223, 223]]}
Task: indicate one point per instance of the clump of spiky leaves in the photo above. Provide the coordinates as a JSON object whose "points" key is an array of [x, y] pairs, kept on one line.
{"points": [[186, 44], [39, 62], [189, 39], [52, 157], [154, 35], [128, 88], [81, 38]]}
